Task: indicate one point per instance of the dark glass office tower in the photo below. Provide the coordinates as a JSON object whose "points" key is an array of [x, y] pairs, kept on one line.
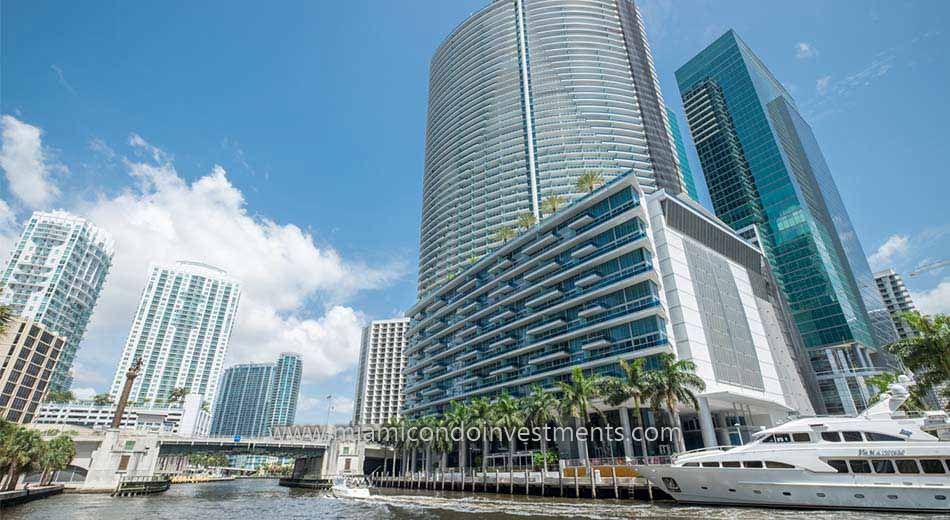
{"points": [[768, 179]]}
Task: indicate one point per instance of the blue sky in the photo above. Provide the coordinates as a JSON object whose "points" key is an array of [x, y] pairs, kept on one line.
{"points": [[302, 125]]}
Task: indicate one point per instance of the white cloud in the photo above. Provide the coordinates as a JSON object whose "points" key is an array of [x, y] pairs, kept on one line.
{"points": [[933, 301], [822, 84], [894, 247], [26, 164], [803, 51], [314, 409]]}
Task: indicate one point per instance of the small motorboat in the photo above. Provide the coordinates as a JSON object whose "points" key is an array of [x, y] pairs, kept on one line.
{"points": [[350, 487]]}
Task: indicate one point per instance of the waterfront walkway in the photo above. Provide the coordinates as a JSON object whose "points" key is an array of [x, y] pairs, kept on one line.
{"points": [[22, 496]]}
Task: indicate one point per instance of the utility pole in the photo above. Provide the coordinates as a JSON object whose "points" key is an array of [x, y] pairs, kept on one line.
{"points": [[123, 399]]}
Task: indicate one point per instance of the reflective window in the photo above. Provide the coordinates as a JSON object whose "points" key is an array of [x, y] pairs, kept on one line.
{"points": [[752, 463], [882, 466], [907, 466], [932, 466], [859, 466], [831, 436], [882, 437], [839, 465], [731, 464], [851, 436], [710, 464], [778, 465], [801, 437]]}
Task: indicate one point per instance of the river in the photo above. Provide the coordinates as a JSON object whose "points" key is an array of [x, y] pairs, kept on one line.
{"points": [[264, 499]]}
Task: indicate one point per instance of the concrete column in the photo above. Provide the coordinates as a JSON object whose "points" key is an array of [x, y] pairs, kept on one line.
{"points": [[706, 423], [627, 441]]}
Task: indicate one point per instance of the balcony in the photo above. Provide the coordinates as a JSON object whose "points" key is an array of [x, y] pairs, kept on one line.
{"points": [[508, 313], [468, 332], [593, 310], [590, 279], [472, 354], [467, 286], [546, 297], [580, 222], [593, 345], [503, 370], [467, 309], [500, 290], [541, 271], [584, 251], [546, 327], [548, 357], [502, 264], [540, 244]]}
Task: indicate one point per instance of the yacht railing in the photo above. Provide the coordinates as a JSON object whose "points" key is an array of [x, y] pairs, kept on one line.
{"points": [[701, 450]]}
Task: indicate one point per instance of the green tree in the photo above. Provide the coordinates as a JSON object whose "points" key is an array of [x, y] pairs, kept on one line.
{"points": [[540, 410], [59, 396], [102, 399], [481, 413], [459, 417], [6, 315], [504, 234], [927, 354], [589, 181], [577, 396], [20, 449], [177, 395], [526, 221], [632, 385], [551, 204], [509, 417], [674, 382], [56, 455]]}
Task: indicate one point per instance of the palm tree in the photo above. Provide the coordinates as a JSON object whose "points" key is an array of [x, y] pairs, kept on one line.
{"points": [[509, 417], [458, 416], [56, 456], [20, 450], [551, 204], [504, 234], [59, 396], [102, 399], [589, 181], [576, 403], [481, 412], [526, 221], [927, 354], [540, 410], [393, 438], [881, 382], [177, 395], [674, 382], [632, 385]]}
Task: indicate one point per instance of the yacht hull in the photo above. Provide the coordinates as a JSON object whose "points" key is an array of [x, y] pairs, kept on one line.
{"points": [[796, 489]]}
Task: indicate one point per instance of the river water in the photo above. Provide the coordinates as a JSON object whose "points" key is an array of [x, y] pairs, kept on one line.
{"points": [[264, 499]]}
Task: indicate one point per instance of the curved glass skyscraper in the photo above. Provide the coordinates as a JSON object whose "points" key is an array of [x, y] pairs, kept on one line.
{"points": [[524, 97]]}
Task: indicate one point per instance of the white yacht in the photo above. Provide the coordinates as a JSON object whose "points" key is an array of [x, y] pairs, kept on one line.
{"points": [[349, 487], [881, 460]]}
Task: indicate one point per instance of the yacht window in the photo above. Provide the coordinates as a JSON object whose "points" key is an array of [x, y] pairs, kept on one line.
{"points": [[907, 466], [752, 463], [731, 464], [801, 437], [839, 465], [778, 465], [779, 437], [710, 464], [691, 465], [851, 436], [882, 437], [932, 466], [859, 466], [882, 466], [831, 436]]}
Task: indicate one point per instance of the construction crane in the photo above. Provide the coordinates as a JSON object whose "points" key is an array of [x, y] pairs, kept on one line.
{"points": [[932, 266]]}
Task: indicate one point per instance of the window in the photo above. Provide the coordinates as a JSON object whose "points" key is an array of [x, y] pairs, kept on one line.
{"points": [[801, 437], [839, 465], [691, 465], [851, 436], [710, 464], [907, 466], [731, 464], [931, 466], [778, 465], [831, 436], [882, 466], [882, 437], [859, 466], [778, 438], [752, 463]]}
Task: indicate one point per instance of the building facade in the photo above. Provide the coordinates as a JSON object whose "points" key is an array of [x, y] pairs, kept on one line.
{"points": [[256, 397], [29, 356], [689, 183], [380, 380], [54, 277], [525, 96], [181, 332], [765, 170], [896, 299], [187, 419], [619, 274]]}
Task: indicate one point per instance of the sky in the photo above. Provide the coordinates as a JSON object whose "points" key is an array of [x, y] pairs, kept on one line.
{"points": [[286, 144]]}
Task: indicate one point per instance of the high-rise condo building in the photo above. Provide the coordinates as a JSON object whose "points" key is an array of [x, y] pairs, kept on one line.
{"points": [[255, 397], [617, 275], [28, 357], [54, 278], [897, 299], [525, 96], [380, 379], [766, 172], [181, 332]]}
